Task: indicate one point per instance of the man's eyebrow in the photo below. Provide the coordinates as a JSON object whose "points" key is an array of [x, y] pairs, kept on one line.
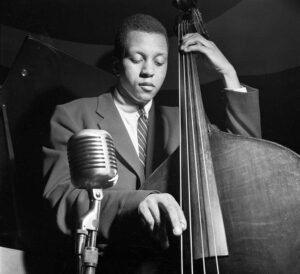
{"points": [[158, 54], [162, 54]]}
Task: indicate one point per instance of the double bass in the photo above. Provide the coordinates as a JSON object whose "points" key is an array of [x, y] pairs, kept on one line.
{"points": [[240, 195]]}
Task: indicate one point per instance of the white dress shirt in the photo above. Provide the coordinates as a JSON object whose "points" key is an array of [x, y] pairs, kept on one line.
{"points": [[130, 116]]}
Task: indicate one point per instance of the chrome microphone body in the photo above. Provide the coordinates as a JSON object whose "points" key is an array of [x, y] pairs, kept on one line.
{"points": [[92, 159], [93, 166]]}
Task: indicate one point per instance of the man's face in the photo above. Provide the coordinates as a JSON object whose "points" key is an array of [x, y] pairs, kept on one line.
{"points": [[144, 66]]}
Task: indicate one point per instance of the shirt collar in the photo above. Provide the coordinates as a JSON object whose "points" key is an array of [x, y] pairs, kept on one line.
{"points": [[127, 107]]}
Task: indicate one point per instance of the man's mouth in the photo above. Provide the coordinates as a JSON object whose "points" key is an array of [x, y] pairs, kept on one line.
{"points": [[148, 87], [146, 84]]}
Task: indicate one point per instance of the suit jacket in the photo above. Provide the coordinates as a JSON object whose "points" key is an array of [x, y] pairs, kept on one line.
{"points": [[120, 202]]}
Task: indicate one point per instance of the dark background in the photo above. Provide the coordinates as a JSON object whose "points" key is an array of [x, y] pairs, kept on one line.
{"points": [[68, 54]]}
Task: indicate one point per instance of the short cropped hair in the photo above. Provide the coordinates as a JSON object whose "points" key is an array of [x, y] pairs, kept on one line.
{"points": [[136, 22]]}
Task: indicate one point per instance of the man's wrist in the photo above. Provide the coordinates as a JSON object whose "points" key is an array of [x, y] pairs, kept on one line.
{"points": [[230, 79]]}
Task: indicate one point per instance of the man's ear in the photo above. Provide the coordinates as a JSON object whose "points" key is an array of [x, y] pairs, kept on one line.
{"points": [[116, 66]]}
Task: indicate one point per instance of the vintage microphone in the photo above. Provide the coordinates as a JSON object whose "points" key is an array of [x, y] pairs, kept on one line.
{"points": [[93, 166]]}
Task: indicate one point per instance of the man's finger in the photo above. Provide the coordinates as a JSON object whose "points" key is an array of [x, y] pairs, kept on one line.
{"points": [[182, 219], [171, 209], [195, 38], [155, 212], [146, 216], [196, 47], [163, 235]]}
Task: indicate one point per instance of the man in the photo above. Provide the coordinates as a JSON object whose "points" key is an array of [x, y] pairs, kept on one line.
{"points": [[130, 216]]}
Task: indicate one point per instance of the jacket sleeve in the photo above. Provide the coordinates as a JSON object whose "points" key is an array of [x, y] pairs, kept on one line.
{"points": [[69, 203], [243, 112]]}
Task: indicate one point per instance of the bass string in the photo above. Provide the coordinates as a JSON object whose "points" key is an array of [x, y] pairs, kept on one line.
{"points": [[180, 83], [192, 131], [185, 96], [191, 99], [187, 162], [184, 179], [189, 80], [200, 27], [180, 148], [202, 131]]}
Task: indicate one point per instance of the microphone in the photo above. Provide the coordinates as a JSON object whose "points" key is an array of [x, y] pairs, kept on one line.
{"points": [[92, 159], [93, 166]]}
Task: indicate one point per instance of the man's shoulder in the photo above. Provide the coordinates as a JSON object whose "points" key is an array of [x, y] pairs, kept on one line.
{"points": [[169, 110], [168, 114], [80, 101], [86, 102]]}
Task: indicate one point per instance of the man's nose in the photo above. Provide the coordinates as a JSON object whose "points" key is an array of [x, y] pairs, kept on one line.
{"points": [[147, 70]]}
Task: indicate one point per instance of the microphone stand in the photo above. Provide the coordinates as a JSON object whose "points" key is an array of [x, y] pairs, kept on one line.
{"points": [[86, 235], [93, 172]]}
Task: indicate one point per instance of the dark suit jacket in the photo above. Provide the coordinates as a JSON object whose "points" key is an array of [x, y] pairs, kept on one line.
{"points": [[120, 202]]}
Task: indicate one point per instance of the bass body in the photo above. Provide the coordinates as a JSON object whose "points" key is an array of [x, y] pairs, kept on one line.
{"points": [[258, 184]]}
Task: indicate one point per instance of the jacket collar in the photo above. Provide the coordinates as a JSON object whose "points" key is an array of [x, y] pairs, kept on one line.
{"points": [[111, 121]]}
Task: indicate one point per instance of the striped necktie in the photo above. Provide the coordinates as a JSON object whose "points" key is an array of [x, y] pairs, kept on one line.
{"points": [[142, 131]]}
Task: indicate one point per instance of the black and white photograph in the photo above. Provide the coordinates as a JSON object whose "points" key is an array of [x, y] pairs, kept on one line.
{"points": [[150, 137]]}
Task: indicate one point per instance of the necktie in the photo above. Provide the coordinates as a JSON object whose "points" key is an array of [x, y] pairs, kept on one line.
{"points": [[142, 130]]}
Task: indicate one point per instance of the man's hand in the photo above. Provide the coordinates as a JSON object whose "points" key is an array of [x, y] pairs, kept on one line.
{"points": [[194, 42], [158, 209]]}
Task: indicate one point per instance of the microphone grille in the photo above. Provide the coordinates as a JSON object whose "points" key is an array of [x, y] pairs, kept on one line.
{"points": [[92, 159]]}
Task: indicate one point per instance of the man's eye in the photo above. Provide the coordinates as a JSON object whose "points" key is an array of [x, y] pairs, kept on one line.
{"points": [[159, 64], [136, 60], [159, 61]]}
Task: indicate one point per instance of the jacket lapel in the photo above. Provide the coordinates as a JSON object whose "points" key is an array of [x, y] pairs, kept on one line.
{"points": [[163, 135], [111, 121], [155, 140]]}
